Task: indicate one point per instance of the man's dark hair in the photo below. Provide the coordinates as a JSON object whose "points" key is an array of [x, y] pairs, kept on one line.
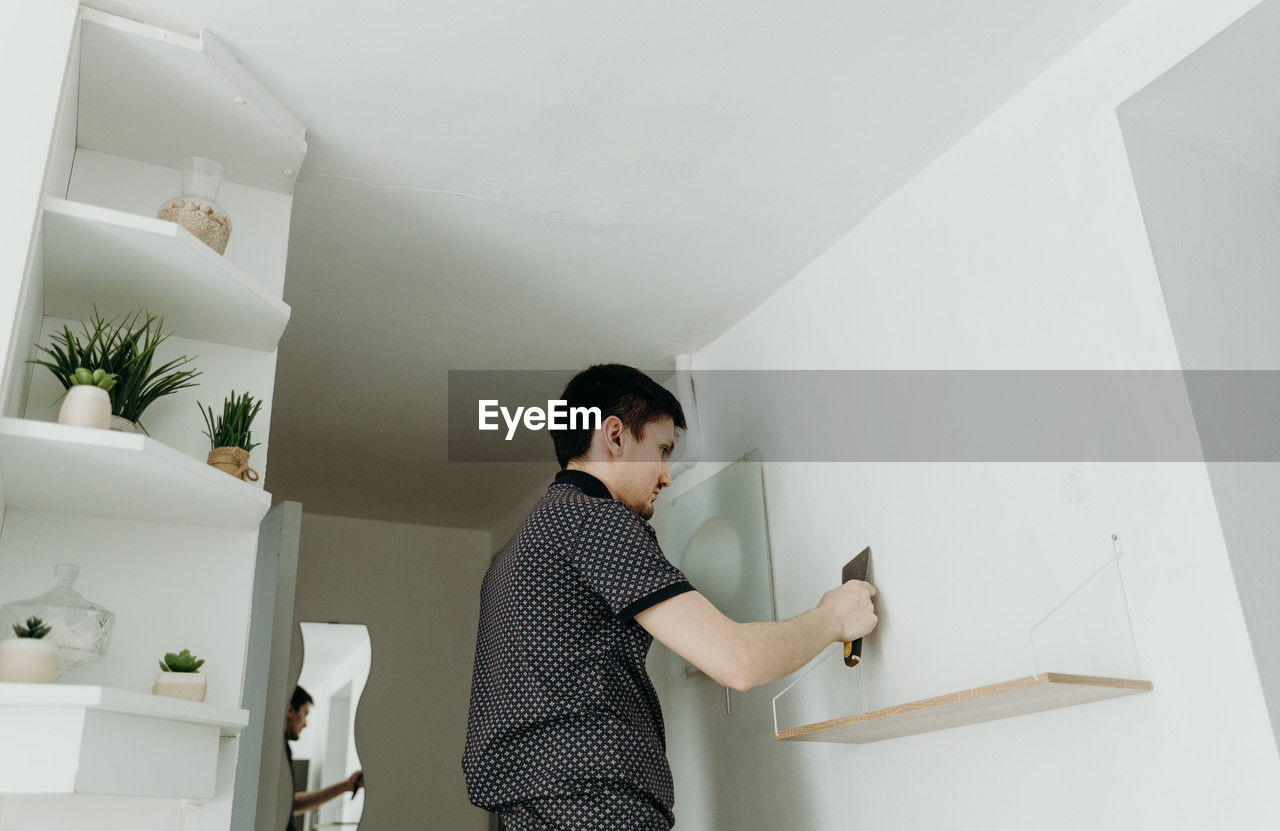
{"points": [[300, 697], [618, 390]]}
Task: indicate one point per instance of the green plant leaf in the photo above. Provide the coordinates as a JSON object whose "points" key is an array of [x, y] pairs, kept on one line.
{"points": [[35, 628], [232, 428]]}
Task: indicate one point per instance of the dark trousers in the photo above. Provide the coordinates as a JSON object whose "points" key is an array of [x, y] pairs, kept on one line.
{"points": [[601, 808]]}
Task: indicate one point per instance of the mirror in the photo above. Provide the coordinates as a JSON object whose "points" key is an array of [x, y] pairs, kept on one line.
{"points": [[716, 534], [335, 667]]}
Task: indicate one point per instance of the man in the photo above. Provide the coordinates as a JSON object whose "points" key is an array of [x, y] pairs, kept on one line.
{"points": [[565, 730], [295, 718]]}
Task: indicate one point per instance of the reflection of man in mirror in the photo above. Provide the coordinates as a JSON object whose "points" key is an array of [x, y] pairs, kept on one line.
{"points": [[295, 718], [565, 730]]}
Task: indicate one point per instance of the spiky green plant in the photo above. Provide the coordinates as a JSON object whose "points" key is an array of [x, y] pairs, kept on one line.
{"points": [[35, 628], [231, 429], [182, 661], [74, 362], [128, 348], [124, 348]]}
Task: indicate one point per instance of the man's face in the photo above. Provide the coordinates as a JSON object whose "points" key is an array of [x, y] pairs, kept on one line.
{"points": [[295, 720], [646, 470]]}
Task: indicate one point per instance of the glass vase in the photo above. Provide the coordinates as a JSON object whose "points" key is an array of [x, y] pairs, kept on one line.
{"points": [[80, 628], [196, 208]]}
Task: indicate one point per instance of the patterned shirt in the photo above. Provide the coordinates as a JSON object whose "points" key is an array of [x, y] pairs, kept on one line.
{"points": [[560, 699]]}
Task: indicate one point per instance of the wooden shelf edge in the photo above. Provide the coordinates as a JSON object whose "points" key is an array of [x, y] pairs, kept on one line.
{"points": [[1099, 685]]}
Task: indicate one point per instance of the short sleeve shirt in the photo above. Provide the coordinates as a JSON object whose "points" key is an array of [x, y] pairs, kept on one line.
{"points": [[560, 698]]}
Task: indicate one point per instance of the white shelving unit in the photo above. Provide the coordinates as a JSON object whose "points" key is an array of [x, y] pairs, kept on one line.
{"points": [[96, 740], [165, 541], [146, 92], [54, 467], [117, 262]]}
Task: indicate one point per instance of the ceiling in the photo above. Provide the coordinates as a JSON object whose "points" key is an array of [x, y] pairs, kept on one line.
{"points": [[508, 185]]}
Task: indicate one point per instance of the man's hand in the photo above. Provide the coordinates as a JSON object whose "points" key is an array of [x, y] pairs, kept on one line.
{"points": [[851, 609], [304, 801]]}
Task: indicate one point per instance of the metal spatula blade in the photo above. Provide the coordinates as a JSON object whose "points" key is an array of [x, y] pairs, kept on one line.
{"points": [[855, 569]]}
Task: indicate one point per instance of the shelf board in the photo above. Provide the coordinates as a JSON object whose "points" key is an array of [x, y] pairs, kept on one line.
{"points": [[156, 96], [63, 738], [119, 262], [80, 470], [1032, 694], [229, 720]]}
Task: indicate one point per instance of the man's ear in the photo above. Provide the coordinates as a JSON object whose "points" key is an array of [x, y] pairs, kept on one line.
{"points": [[612, 430]]}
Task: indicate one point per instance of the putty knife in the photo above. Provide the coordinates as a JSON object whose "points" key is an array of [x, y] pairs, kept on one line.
{"points": [[855, 569]]}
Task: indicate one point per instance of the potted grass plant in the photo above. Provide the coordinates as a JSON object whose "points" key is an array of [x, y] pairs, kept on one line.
{"points": [[128, 349], [74, 363], [230, 441], [124, 349], [180, 677], [28, 658]]}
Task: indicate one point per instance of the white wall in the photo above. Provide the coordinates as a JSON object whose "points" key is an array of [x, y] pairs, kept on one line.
{"points": [[417, 588], [1021, 247]]}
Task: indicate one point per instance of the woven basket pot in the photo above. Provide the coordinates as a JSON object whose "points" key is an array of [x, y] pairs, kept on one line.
{"points": [[120, 424], [233, 460]]}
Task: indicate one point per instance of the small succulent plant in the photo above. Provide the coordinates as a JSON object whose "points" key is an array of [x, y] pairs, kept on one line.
{"points": [[182, 661], [35, 628], [95, 378]]}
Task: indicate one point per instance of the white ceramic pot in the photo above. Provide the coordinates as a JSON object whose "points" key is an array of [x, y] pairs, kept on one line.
{"points": [[187, 685], [28, 661], [86, 406]]}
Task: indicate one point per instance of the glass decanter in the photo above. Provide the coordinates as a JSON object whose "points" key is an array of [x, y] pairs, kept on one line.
{"points": [[196, 209], [80, 628]]}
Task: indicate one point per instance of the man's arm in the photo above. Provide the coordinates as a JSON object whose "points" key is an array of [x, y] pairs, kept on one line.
{"points": [[304, 801], [746, 655]]}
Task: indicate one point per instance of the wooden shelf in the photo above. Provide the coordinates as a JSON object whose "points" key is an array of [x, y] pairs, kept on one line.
{"points": [[1032, 694], [62, 738], [158, 97], [119, 262], [79, 470]]}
